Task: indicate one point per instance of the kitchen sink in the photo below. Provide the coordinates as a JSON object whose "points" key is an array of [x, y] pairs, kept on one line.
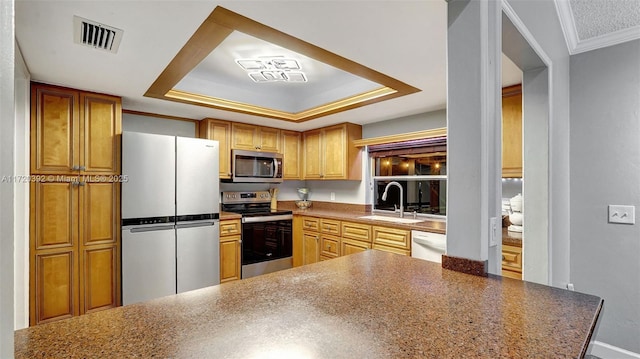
{"points": [[392, 219]]}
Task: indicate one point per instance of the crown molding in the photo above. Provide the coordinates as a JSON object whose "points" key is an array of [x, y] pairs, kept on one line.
{"points": [[575, 45], [614, 38]]}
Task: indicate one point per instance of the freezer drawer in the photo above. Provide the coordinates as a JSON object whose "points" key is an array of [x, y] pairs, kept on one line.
{"points": [[198, 256], [148, 263]]}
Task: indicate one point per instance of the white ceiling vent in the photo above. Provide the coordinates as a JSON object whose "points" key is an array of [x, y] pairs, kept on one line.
{"points": [[96, 35]]}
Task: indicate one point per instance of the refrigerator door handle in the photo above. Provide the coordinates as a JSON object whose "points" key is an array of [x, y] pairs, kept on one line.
{"points": [[139, 229], [194, 224]]}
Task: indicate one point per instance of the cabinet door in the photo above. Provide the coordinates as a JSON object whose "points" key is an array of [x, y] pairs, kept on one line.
{"points": [[389, 249], [310, 247], [512, 261], [313, 155], [100, 127], [219, 131], [268, 139], [53, 280], [54, 130], [54, 288], [330, 246], [243, 137], [291, 154], [99, 246], [512, 134], [230, 258], [350, 246], [335, 153]]}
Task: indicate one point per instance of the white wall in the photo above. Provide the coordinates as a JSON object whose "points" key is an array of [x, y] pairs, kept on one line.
{"points": [[605, 169], [158, 126], [21, 193], [419, 122], [7, 120], [541, 20], [473, 128]]}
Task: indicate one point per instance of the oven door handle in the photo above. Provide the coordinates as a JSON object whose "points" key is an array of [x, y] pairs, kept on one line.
{"points": [[282, 217]]}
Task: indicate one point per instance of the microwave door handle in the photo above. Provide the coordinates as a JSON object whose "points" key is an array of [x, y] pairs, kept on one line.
{"points": [[275, 168]]}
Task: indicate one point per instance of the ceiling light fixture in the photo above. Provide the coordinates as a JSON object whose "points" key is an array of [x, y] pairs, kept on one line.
{"points": [[272, 69]]}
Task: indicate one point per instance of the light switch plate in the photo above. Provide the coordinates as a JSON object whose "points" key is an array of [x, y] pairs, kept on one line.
{"points": [[493, 231], [622, 214]]}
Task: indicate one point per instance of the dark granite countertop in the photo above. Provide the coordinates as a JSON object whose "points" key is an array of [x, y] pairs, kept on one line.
{"points": [[511, 238], [367, 305], [229, 215]]}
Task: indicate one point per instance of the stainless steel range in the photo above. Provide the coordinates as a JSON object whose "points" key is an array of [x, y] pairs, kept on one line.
{"points": [[267, 239]]}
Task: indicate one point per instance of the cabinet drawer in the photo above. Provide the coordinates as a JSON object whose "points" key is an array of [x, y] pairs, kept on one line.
{"points": [[357, 231], [512, 258], [384, 248], [391, 237], [311, 223], [330, 226], [230, 227], [330, 246]]}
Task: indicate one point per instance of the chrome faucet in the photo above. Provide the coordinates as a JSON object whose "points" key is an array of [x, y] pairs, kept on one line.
{"points": [[384, 196]]}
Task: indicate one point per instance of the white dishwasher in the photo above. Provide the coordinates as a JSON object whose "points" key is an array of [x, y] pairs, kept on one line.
{"points": [[428, 246]]}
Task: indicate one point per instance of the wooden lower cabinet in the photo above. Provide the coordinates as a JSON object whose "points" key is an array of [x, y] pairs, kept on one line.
{"points": [[230, 250], [310, 247], [350, 246], [329, 246], [318, 239], [74, 249], [391, 237], [511, 261], [404, 252]]}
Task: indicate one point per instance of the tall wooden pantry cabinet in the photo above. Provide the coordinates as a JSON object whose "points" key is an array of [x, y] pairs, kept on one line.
{"points": [[75, 202]]}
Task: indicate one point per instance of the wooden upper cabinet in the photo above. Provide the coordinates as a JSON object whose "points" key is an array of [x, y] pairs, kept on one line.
{"points": [[254, 138], [512, 132], [330, 154], [54, 129], [74, 132], [100, 123], [220, 131], [268, 139], [291, 155], [312, 144]]}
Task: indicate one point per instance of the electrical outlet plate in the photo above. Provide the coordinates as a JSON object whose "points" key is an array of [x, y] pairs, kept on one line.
{"points": [[622, 214]]}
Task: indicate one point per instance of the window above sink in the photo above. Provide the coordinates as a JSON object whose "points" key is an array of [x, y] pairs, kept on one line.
{"points": [[420, 167]]}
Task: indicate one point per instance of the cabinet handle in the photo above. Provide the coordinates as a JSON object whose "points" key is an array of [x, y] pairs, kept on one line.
{"points": [[316, 238], [75, 168], [503, 258], [82, 168]]}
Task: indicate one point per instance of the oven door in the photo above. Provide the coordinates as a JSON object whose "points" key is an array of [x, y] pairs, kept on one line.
{"points": [[267, 244]]}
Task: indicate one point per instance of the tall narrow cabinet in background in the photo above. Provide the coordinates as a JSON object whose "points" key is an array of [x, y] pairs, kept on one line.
{"points": [[74, 210], [512, 132]]}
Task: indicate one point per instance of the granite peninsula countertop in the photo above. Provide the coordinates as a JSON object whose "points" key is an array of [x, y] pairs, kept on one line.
{"points": [[368, 305]]}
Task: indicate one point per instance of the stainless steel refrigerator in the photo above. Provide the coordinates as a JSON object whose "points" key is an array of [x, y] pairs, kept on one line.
{"points": [[170, 215]]}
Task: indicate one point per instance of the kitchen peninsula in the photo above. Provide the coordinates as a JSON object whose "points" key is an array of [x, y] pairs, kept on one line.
{"points": [[367, 305]]}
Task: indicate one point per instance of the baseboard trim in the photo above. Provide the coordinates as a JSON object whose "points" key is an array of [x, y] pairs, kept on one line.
{"points": [[606, 351]]}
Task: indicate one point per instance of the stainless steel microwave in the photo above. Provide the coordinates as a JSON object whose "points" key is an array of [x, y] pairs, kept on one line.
{"points": [[252, 166]]}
